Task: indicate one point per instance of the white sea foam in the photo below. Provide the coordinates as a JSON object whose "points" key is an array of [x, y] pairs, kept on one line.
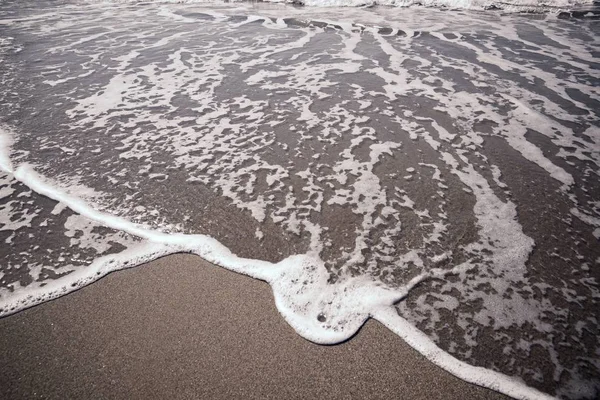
{"points": [[321, 312], [507, 5], [5, 148]]}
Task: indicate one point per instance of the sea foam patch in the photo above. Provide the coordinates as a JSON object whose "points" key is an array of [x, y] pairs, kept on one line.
{"points": [[317, 310], [508, 5]]}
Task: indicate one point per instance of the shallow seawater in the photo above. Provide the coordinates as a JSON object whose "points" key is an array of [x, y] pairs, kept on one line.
{"points": [[451, 156]]}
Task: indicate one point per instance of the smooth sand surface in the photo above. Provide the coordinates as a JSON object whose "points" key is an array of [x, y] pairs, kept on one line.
{"points": [[180, 327]]}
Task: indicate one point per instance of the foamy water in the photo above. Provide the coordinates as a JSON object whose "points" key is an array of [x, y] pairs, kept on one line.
{"points": [[435, 170], [553, 6]]}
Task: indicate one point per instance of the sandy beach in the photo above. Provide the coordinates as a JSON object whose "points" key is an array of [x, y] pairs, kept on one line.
{"points": [[180, 327]]}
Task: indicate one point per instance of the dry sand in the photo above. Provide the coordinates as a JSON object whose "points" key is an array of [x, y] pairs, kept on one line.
{"points": [[180, 327]]}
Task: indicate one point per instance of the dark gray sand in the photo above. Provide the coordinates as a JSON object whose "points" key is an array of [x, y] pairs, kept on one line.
{"points": [[180, 327]]}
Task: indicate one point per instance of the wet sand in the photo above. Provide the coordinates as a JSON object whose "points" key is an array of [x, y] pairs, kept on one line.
{"points": [[180, 327]]}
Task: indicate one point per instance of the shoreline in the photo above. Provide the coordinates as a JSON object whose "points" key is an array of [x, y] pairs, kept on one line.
{"points": [[153, 330]]}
